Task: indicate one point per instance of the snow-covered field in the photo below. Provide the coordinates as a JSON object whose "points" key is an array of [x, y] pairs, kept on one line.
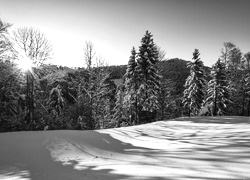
{"points": [[184, 148]]}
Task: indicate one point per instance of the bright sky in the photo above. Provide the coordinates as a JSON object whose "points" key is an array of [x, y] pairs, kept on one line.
{"points": [[115, 26]]}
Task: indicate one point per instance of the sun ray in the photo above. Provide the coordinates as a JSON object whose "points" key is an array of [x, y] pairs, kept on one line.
{"points": [[25, 64]]}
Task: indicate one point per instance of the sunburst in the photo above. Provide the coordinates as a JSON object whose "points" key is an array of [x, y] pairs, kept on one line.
{"points": [[25, 64]]}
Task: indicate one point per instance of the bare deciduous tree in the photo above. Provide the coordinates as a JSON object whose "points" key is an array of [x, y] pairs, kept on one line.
{"points": [[5, 44], [96, 90], [89, 54], [161, 54], [3, 28], [33, 44]]}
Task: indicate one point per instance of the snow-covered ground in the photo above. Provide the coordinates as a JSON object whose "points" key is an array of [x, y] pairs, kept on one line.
{"points": [[184, 148]]}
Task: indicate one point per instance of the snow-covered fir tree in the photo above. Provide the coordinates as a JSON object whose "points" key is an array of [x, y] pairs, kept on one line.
{"points": [[119, 114], [56, 101], [56, 104], [195, 86], [148, 75], [218, 91], [131, 87]]}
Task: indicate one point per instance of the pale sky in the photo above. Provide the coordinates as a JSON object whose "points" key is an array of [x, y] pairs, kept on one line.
{"points": [[115, 26]]}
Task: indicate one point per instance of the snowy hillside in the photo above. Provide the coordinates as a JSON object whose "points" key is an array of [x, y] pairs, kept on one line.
{"points": [[184, 148]]}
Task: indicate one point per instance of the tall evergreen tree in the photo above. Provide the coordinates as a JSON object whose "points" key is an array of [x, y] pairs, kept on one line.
{"points": [[148, 76], [195, 85], [218, 91], [131, 87], [130, 72]]}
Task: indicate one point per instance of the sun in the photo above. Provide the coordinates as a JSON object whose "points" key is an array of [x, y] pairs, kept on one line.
{"points": [[25, 64]]}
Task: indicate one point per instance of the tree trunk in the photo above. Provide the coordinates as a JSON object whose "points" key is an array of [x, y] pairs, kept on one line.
{"points": [[136, 112], [162, 111], [243, 106], [32, 99], [215, 103], [248, 109], [27, 100], [92, 114]]}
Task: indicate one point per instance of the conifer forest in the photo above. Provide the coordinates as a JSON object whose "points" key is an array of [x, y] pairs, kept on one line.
{"points": [[149, 88]]}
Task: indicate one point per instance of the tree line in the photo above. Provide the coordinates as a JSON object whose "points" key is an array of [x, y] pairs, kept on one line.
{"points": [[55, 97]]}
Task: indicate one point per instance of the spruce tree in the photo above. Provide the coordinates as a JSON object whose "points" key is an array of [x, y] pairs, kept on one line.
{"points": [[148, 76], [195, 85], [130, 76], [131, 87], [218, 92]]}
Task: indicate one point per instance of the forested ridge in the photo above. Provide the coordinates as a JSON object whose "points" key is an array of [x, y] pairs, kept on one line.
{"points": [[99, 96]]}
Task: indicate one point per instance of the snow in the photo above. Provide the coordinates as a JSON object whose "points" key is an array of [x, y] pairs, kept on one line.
{"points": [[183, 148]]}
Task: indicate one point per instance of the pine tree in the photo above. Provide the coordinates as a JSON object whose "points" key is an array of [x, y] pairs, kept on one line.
{"points": [[148, 75], [218, 91], [195, 85], [130, 76], [131, 87]]}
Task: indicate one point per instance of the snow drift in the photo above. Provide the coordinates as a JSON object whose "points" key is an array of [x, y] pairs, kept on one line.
{"points": [[184, 148]]}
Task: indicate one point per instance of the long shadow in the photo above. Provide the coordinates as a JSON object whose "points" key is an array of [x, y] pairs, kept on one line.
{"points": [[40, 165], [211, 145], [221, 144]]}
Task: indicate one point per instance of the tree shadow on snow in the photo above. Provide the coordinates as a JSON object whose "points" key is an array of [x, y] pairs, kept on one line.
{"points": [[42, 165], [192, 150]]}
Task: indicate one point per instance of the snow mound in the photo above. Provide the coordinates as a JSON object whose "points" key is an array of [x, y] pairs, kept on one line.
{"points": [[184, 148]]}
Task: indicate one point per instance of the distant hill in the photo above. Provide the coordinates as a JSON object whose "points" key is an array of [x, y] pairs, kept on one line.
{"points": [[173, 69], [117, 72]]}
